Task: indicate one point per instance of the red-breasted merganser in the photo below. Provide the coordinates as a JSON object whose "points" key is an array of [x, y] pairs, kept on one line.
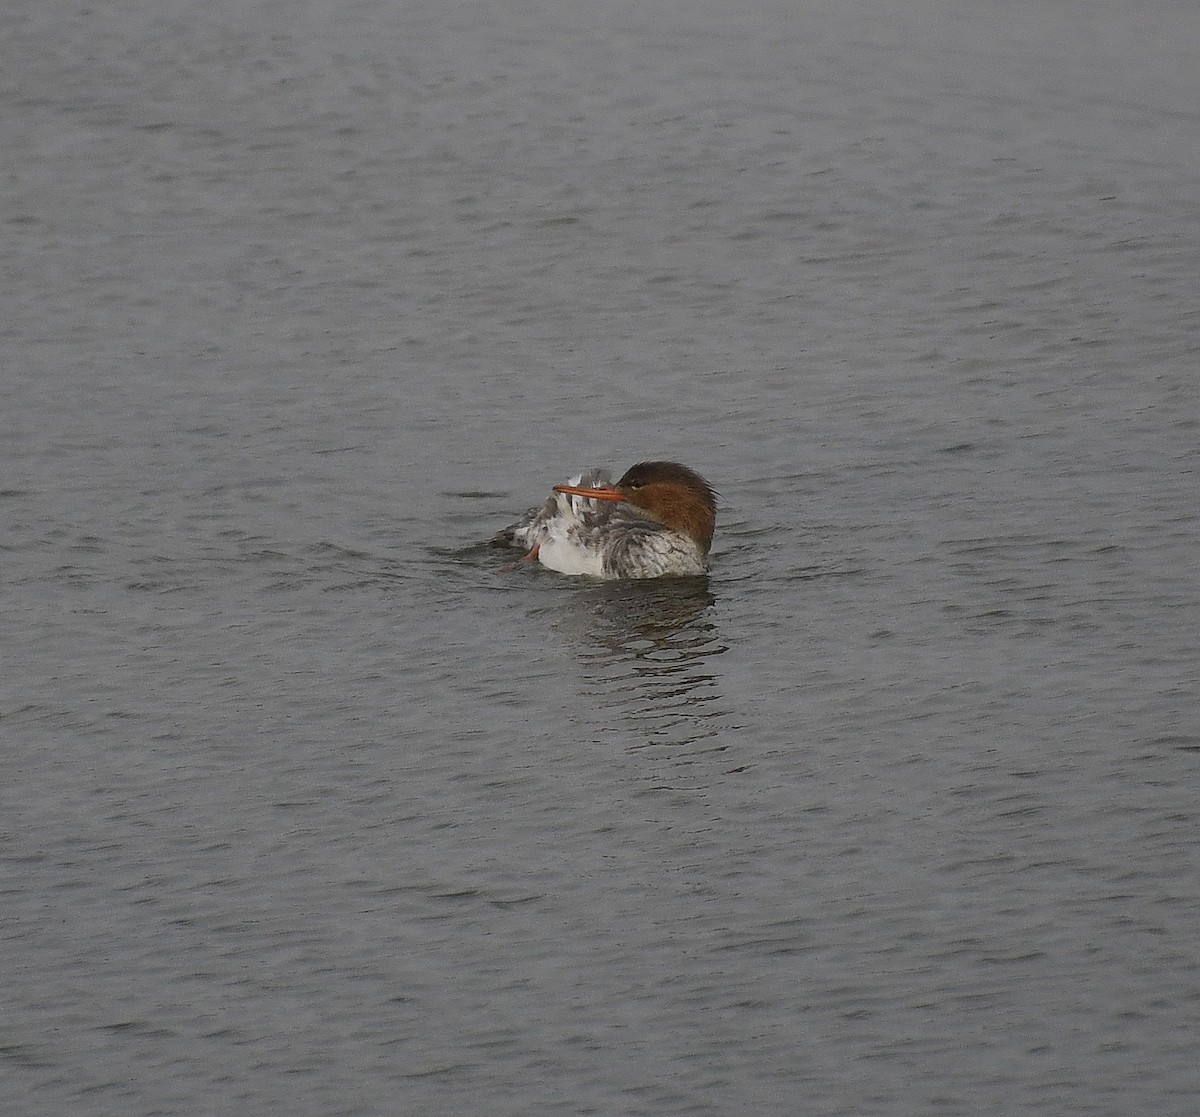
{"points": [[658, 519]]}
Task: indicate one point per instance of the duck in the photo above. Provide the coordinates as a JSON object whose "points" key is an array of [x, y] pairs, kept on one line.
{"points": [[656, 521]]}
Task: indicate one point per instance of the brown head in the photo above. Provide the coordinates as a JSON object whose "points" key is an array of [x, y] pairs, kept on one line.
{"points": [[672, 494]]}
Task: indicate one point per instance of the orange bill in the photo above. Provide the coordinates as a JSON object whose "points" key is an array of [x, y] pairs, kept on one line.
{"points": [[607, 493]]}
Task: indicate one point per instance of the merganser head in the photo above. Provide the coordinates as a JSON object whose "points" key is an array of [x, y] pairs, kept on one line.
{"points": [[672, 494]]}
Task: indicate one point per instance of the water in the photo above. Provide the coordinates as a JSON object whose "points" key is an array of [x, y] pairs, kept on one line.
{"points": [[311, 803]]}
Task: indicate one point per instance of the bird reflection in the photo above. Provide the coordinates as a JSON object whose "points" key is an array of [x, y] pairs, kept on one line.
{"points": [[633, 615], [646, 649]]}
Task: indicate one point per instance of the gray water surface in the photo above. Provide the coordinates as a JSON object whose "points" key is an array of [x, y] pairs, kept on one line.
{"points": [[312, 803]]}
